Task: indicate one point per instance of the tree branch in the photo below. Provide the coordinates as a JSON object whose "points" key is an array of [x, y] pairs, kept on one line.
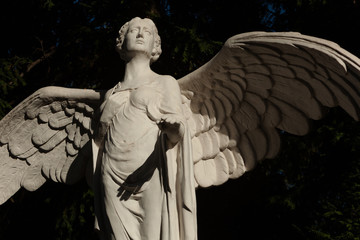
{"points": [[36, 62]]}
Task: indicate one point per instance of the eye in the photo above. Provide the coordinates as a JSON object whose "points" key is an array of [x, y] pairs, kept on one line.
{"points": [[133, 30]]}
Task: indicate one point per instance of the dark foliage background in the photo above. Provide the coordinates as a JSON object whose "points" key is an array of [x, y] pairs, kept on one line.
{"points": [[310, 191]]}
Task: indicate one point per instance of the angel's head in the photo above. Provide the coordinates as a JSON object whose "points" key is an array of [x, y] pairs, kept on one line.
{"points": [[139, 35]]}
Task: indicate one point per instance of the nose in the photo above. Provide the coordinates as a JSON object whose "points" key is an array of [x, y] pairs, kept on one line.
{"points": [[140, 33]]}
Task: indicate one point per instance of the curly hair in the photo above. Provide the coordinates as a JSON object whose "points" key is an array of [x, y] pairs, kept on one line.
{"points": [[122, 33]]}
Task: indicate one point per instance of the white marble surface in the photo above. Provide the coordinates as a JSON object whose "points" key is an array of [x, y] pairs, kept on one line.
{"points": [[148, 142]]}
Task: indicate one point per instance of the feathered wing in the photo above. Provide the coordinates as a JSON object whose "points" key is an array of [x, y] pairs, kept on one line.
{"points": [[41, 139], [257, 83]]}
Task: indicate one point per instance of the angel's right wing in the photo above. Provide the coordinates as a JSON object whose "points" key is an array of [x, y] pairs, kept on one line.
{"points": [[41, 138]]}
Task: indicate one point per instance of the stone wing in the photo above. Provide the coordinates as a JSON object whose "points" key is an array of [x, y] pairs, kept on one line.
{"points": [[41, 139], [258, 83]]}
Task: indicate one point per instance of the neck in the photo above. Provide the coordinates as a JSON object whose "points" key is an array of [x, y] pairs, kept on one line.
{"points": [[136, 70]]}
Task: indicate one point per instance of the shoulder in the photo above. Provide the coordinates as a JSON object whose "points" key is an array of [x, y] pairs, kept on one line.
{"points": [[106, 97], [108, 93], [165, 78], [168, 81]]}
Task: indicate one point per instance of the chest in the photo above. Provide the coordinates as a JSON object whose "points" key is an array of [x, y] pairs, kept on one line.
{"points": [[144, 96], [136, 101]]}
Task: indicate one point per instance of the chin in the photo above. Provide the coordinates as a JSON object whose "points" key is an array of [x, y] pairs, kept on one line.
{"points": [[136, 52]]}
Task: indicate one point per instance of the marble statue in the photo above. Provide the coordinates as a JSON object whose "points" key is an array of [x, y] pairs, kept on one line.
{"points": [[146, 144]]}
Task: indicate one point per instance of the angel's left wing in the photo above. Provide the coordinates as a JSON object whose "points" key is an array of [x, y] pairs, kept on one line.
{"points": [[257, 83], [46, 136]]}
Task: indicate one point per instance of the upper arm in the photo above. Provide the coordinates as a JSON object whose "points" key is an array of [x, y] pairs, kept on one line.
{"points": [[172, 90], [170, 101]]}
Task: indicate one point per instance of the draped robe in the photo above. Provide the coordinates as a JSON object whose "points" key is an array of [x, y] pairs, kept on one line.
{"points": [[143, 185]]}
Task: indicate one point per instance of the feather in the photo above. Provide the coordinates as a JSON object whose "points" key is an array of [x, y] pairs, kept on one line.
{"points": [[11, 171], [28, 153], [222, 169], [274, 60], [71, 130], [69, 111], [240, 165], [205, 173], [223, 138], [197, 149], [79, 116], [199, 120], [258, 49], [273, 141], [234, 134], [44, 117], [238, 79], [192, 126], [20, 140], [246, 116], [70, 149], [89, 110], [292, 120], [297, 94], [9, 127], [32, 138], [236, 89], [353, 79], [272, 116], [218, 113], [352, 102], [205, 116], [32, 178], [330, 60], [56, 107], [299, 61], [77, 138], [32, 113], [86, 123], [259, 142], [247, 152], [80, 105], [256, 102], [59, 120], [227, 105], [257, 68], [319, 90], [232, 165], [248, 57], [85, 139], [210, 112], [259, 82], [51, 160], [210, 140], [54, 141], [343, 99], [42, 134]]}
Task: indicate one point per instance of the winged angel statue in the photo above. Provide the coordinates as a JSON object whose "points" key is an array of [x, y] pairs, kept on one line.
{"points": [[148, 143]]}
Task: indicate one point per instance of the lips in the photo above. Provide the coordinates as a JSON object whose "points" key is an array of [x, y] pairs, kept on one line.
{"points": [[140, 41]]}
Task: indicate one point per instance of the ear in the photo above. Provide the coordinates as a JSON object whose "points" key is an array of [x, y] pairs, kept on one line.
{"points": [[153, 52]]}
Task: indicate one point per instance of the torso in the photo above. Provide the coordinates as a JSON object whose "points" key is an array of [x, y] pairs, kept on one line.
{"points": [[132, 134]]}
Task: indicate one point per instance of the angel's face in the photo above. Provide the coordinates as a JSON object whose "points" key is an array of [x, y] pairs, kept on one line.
{"points": [[140, 37]]}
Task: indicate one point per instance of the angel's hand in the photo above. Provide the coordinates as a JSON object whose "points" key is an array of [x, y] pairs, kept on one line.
{"points": [[173, 126]]}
